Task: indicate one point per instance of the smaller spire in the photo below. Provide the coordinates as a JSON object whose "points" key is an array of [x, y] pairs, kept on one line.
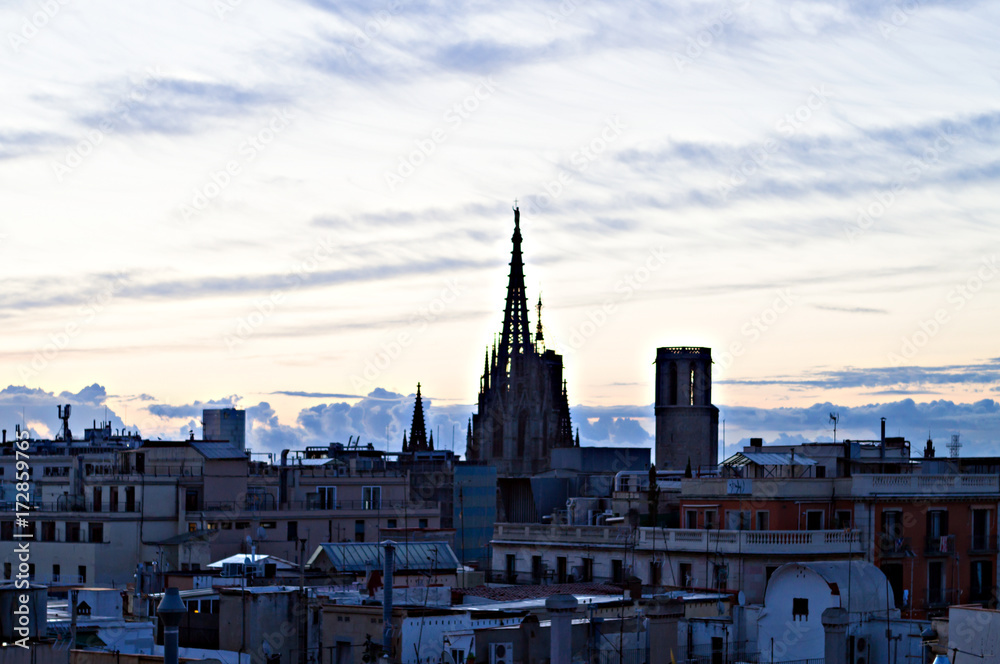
{"points": [[406, 447], [578, 436], [430, 442], [539, 337]]}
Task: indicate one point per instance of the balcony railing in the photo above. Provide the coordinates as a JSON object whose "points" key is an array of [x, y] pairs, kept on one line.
{"points": [[770, 542], [943, 545], [74, 505], [925, 484], [894, 547], [383, 507]]}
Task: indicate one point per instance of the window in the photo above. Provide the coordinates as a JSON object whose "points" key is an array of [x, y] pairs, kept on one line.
{"points": [[981, 587], [937, 531], [710, 516], [768, 573], [935, 582], [293, 531], [843, 519], [691, 519], [421, 523], [96, 532], [892, 526], [72, 531], [686, 577], [737, 520], [371, 498], [7, 571], [588, 569], [192, 526], [800, 608], [981, 530], [617, 571], [820, 472], [191, 500], [814, 520], [48, 531], [763, 520], [655, 573], [359, 530], [511, 567], [720, 576], [227, 525], [82, 573], [536, 569], [6, 530], [97, 498], [140, 463], [31, 571], [327, 497], [130, 499], [391, 523], [113, 499], [561, 569]]}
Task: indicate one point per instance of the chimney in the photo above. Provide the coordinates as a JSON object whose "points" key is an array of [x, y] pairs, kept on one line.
{"points": [[561, 608], [882, 446], [756, 442]]}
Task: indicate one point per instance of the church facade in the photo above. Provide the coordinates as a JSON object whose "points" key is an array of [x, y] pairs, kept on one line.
{"points": [[523, 410]]}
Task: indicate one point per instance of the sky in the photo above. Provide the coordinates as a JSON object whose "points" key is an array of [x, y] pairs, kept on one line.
{"points": [[304, 209]]}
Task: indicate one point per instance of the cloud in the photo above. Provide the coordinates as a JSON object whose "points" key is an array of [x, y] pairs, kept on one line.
{"points": [[851, 377], [192, 409]]}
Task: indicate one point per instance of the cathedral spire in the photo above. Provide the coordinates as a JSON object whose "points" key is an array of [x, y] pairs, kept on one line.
{"points": [[418, 431], [406, 446], [486, 371], [516, 336], [539, 336]]}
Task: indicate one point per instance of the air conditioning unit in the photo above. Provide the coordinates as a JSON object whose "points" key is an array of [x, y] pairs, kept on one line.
{"points": [[859, 650], [501, 653]]}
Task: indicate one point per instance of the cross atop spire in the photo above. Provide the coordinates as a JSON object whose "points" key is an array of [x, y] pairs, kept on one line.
{"points": [[516, 336]]}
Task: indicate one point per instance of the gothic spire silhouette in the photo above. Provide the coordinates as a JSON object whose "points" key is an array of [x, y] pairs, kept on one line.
{"points": [[515, 339], [418, 431]]}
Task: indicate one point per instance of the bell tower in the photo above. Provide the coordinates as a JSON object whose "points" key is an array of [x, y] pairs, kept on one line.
{"points": [[687, 424]]}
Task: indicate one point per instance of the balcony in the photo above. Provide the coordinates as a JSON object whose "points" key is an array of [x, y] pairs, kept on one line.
{"points": [[66, 504], [269, 505], [939, 546], [925, 485], [894, 547], [939, 598], [982, 545], [729, 542]]}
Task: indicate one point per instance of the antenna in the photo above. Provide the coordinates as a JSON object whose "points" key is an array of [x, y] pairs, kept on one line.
{"points": [[954, 446]]}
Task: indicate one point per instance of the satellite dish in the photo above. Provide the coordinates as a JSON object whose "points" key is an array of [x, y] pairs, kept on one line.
{"points": [[741, 598]]}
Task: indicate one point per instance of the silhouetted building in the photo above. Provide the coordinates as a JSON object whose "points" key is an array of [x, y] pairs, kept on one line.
{"points": [[523, 408], [687, 424]]}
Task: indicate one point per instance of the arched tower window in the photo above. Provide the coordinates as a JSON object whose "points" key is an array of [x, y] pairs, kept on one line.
{"points": [[672, 384], [691, 383]]}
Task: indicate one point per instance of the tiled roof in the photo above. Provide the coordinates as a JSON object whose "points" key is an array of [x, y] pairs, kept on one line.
{"points": [[515, 593]]}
